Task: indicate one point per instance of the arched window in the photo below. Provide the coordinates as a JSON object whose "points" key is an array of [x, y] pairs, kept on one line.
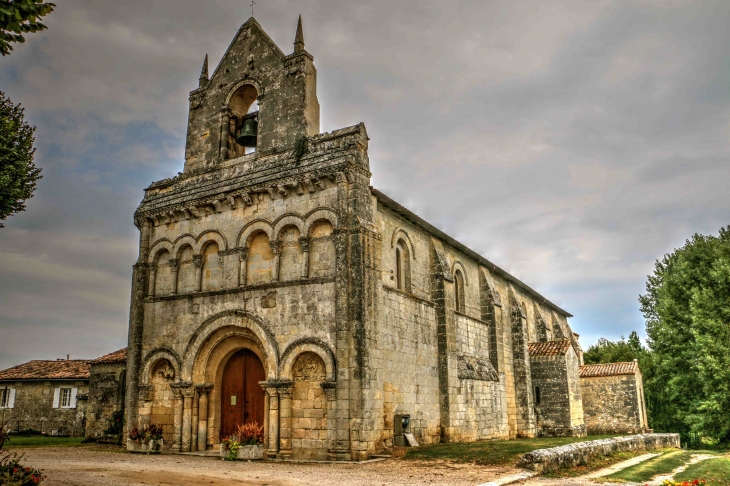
{"points": [[212, 274], [290, 261], [163, 274], [186, 272], [260, 260], [321, 250], [402, 266], [460, 305]]}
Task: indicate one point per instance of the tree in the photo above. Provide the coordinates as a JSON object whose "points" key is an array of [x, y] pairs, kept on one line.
{"points": [[605, 351], [18, 173], [687, 311], [18, 17]]}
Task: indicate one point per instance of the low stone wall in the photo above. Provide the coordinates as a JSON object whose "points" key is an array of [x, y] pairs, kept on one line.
{"points": [[571, 455]]}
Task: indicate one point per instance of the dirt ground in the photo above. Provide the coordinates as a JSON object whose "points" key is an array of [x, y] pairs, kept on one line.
{"points": [[89, 466]]}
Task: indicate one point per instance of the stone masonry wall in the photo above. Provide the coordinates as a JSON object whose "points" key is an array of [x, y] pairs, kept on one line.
{"points": [[611, 404], [556, 412], [34, 407], [105, 396]]}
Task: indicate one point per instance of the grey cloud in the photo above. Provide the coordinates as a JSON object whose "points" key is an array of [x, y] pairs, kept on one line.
{"points": [[572, 143]]}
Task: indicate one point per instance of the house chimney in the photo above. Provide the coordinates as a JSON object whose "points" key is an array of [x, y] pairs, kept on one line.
{"points": [[68, 357]]}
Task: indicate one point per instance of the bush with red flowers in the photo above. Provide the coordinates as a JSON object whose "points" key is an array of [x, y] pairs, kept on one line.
{"points": [[12, 473]]}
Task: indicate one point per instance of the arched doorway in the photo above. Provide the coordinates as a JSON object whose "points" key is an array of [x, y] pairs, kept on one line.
{"points": [[242, 398]]}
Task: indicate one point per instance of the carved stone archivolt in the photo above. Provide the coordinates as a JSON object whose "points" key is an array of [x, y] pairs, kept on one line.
{"points": [[309, 367]]}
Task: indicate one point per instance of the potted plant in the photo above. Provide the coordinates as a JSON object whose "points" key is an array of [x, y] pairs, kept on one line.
{"points": [[247, 442], [148, 440]]}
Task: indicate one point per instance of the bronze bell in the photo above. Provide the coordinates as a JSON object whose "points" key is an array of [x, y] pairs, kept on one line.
{"points": [[247, 136]]}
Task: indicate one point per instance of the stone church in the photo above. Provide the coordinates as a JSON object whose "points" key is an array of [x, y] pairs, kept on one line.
{"points": [[275, 285]]}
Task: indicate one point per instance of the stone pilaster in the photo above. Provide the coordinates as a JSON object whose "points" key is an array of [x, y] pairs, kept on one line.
{"points": [[187, 416], [203, 390], [177, 416]]}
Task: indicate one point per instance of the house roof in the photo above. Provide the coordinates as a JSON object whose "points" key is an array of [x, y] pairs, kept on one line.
{"points": [[549, 348], [429, 228], [73, 369], [609, 369], [115, 357]]}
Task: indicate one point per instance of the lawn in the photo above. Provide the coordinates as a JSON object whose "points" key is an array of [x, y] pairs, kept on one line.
{"points": [[646, 470], [17, 441], [493, 452], [715, 471]]}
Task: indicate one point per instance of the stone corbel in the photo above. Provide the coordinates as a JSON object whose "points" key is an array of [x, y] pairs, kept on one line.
{"points": [[283, 192], [194, 211], [217, 205], [246, 199], [272, 192], [231, 201]]}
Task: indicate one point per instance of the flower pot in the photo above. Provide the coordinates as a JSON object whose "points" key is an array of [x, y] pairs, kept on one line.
{"points": [[151, 447], [246, 452]]}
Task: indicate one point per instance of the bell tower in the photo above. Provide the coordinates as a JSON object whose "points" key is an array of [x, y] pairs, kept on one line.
{"points": [[222, 119]]}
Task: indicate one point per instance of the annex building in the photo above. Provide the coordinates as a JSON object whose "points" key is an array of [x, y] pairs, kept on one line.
{"points": [[275, 285]]}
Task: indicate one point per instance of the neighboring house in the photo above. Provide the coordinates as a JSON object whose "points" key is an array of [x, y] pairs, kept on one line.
{"points": [[106, 391], [46, 396], [613, 398]]}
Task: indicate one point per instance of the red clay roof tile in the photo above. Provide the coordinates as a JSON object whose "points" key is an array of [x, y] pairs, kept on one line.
{"points": [[75, 369], [609, 369], [549, 348], [115, 357]]}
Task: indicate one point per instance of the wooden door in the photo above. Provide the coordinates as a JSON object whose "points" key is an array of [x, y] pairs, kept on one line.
{"points": [[242, 398]]}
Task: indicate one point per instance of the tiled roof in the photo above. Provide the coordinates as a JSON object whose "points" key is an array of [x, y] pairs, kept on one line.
{"points": [[74, 369], [115, 357], [609, 369], [549, 348]]}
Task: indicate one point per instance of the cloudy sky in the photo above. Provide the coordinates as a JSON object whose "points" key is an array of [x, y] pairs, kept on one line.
{"points": [[572, 143]]}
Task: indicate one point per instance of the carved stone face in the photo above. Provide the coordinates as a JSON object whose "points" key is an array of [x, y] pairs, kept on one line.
{"points": [[309, 367]]}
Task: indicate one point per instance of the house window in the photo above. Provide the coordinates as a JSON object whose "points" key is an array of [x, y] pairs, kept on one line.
{"points": [[402, 267], [5, 398], [65, 397]]}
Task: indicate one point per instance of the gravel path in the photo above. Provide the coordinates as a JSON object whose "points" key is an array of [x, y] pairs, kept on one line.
{"points": [[88, 466]]}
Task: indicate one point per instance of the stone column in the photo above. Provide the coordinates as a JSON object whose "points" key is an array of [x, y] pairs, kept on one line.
{"points": [[174, 266], [198, 262], [329, 388], [266, 421], [151, 286], [178, 416], [187, 418], [203, 415], [285, 419], [225, 129], [273, 421], [304, 244], [243, 257], [276, 249], [194, 422]]}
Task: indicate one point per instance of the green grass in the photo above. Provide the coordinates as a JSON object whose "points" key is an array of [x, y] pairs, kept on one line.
{"points": [[646, 470], [490, 452], [715, 471], [42, 441]]}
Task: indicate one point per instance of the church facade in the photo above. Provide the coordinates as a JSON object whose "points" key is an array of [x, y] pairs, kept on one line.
{"points": [[275, 286]]}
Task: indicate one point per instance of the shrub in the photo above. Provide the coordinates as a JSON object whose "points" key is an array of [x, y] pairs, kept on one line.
{"points": [[12, 473], [148, 433], [116, 423]]}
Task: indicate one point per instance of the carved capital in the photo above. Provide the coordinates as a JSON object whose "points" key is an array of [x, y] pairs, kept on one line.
{"points": [[286, 389], [144, 392], [243, 253], [304, 242], [330, 389], [204, 388], [275, 247], [198, 261], [174, 263]]}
